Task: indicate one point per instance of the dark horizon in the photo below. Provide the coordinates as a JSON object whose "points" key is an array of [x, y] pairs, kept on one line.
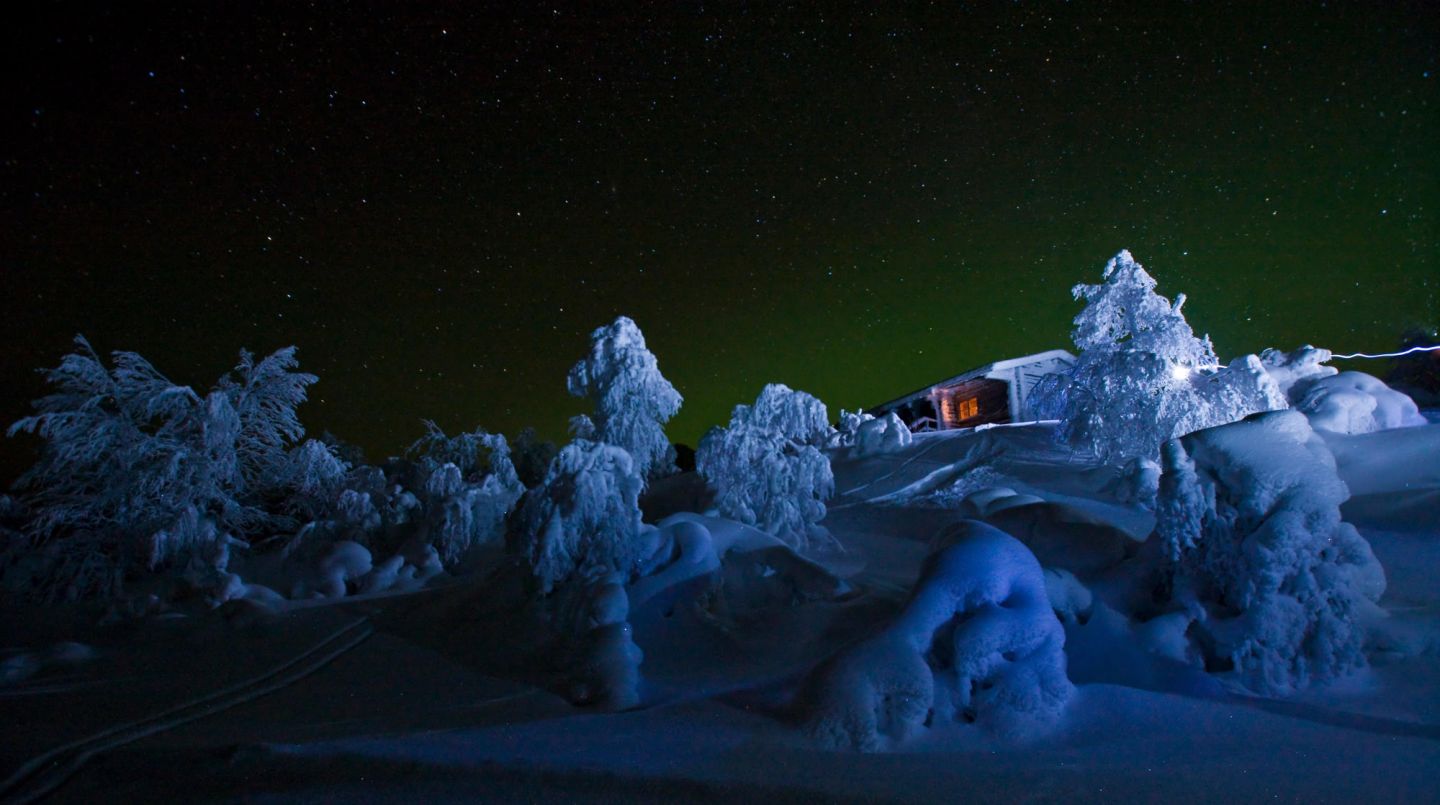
{"points": [[438, 206]]}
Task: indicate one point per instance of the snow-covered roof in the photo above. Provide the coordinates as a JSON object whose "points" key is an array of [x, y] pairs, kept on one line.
{"points": [[981, 371]]}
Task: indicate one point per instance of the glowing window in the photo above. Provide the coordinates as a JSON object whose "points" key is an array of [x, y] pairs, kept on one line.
{"points": [[968, 408]]}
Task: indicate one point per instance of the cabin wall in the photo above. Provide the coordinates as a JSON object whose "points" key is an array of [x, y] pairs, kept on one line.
{"points": [[981, 401]]}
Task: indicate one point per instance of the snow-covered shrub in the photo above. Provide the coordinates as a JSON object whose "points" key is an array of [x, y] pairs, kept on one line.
{"points": [[633, 401], [469, 487], [476, 454], [767, 468], [1354, 402], [887, 434], [1249, 514], [371, 510], [131, 461], [1142, 376], [848, 427], [976, 642], [585, 513], [462, 515], [313, 476], [870, 696]]}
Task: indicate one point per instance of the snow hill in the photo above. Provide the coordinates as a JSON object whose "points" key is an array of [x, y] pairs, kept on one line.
{"points": [[749, 650]]}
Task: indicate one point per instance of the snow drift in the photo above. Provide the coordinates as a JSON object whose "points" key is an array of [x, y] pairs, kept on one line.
{"points": [[976, 642]]}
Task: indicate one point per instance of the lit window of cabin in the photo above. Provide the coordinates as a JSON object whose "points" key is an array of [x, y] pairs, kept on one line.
{"points": [[968, 408]]}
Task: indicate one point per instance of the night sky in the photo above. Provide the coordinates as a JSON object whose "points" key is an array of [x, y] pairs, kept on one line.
{"points": [[437, 207]]}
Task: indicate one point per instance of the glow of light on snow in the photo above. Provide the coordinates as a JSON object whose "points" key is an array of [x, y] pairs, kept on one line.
{"points": [[1179, 372], [1388, 354]]}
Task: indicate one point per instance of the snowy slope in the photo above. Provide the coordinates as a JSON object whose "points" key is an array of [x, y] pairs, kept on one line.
{"points": [[441, 695]]}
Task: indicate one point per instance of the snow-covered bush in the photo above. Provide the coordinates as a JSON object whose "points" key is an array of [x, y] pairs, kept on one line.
{"points": [[633, 401], [585, 513], [767, 468], [1142, 376], [476, 454], [976, 642], [848, 427], [462, 515], [371, 510], [879, 435], [1249, 514], [1354, 402], [469, 486], [314, 476], [131, 462]]}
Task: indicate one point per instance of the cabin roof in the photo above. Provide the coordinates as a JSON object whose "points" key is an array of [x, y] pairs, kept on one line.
{"points": [[979, 371]]}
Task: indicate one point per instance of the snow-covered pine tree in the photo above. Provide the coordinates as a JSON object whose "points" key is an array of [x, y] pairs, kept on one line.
{"points": [[469, 487], [584, 516], [767, 468], [135, 471], [632, 400], [265, 395], [1142, 375]]}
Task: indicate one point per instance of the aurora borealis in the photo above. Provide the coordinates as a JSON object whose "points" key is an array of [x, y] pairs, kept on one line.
{"points": [[437, 206]]}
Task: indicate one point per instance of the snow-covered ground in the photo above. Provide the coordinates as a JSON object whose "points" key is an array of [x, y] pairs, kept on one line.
{"points": [[441, 694]]}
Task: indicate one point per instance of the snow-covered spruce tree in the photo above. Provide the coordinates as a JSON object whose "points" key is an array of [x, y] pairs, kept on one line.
{"points": [[1249, 517], [265, 396], [632, 400], [1142, 375], [469, 487], [135, 471], [585, 514], [767, 468]]}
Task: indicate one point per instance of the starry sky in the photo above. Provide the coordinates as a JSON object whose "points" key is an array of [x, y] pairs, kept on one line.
{"points": [[438, 205]]}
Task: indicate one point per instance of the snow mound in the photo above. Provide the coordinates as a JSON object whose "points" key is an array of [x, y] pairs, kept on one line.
{"points": [[976, 642], [23, 665], [1294, 371], [1393, 476], [1354, 402], [752, 573], [1060, 536], [1249, 515], [886, 434], [603, 662]]}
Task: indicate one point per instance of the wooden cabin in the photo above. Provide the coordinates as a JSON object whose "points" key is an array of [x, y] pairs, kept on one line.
{"points": [[991, 394]]}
